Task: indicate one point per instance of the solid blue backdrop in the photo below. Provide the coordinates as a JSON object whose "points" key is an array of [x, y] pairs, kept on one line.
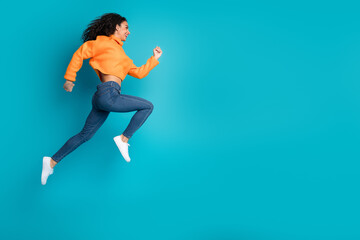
{"points": [[254, 133]]}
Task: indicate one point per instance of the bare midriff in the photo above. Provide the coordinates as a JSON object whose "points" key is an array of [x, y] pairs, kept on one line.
{"points": [[109, 77]]}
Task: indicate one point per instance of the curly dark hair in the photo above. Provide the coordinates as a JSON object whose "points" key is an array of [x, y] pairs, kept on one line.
{"points": [[104, 25]]}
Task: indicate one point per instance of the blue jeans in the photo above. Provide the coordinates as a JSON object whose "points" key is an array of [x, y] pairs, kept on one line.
{"points": [[108, 98]]}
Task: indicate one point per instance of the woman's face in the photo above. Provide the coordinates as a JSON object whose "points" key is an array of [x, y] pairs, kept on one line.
{"points": [[122, 30]]}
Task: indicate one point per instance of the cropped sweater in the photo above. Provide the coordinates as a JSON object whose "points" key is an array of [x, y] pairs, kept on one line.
{"points": [[108, 57]]}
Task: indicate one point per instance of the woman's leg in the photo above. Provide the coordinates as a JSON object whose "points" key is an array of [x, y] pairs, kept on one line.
{"points": [[127, 103], [93, 122]]}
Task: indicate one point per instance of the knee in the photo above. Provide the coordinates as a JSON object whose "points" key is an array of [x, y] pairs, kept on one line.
{"points": [[151, 106]]}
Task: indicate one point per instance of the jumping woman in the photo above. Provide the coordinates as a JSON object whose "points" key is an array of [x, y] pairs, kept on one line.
{"points": [[103, 40]]}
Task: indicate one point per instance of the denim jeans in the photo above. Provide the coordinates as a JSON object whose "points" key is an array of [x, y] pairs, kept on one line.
{"points": [[108, 98]]}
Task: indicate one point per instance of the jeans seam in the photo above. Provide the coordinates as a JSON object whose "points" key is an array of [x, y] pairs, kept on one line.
{"points": [[139, 101]]}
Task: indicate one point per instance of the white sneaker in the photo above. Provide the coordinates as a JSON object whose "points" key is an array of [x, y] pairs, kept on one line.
{"points": [[123, 147], [46, 170]]}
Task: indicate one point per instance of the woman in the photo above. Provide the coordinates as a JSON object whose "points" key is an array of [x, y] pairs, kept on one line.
{"points": [[103, 40]]}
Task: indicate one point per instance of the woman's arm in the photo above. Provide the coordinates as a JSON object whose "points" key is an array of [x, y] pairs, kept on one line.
{"points": [[85, 51], [143, 71]]}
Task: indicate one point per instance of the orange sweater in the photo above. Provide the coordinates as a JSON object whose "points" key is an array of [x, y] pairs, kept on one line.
{"points": [[108, 57]]}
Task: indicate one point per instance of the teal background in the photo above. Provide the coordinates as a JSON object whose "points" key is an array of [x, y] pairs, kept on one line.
{"points": [[254, 134]]}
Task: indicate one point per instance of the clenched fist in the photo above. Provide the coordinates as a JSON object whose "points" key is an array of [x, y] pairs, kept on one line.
{"points": [[157, 52], [68, 86]]}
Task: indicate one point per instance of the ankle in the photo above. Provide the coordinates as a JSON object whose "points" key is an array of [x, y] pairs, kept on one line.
{"points": [[123, 138], [52, 163]]}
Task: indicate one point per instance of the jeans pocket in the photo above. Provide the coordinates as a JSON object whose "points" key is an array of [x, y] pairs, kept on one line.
{"points": [[102, 92], [114, 94]]}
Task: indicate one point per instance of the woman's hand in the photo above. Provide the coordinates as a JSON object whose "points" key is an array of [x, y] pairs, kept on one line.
{"points": [[157, 52], [68, 86]]}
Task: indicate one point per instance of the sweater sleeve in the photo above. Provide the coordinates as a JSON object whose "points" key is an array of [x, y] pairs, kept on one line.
{"points": [[85, 51], [143, 71]]}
